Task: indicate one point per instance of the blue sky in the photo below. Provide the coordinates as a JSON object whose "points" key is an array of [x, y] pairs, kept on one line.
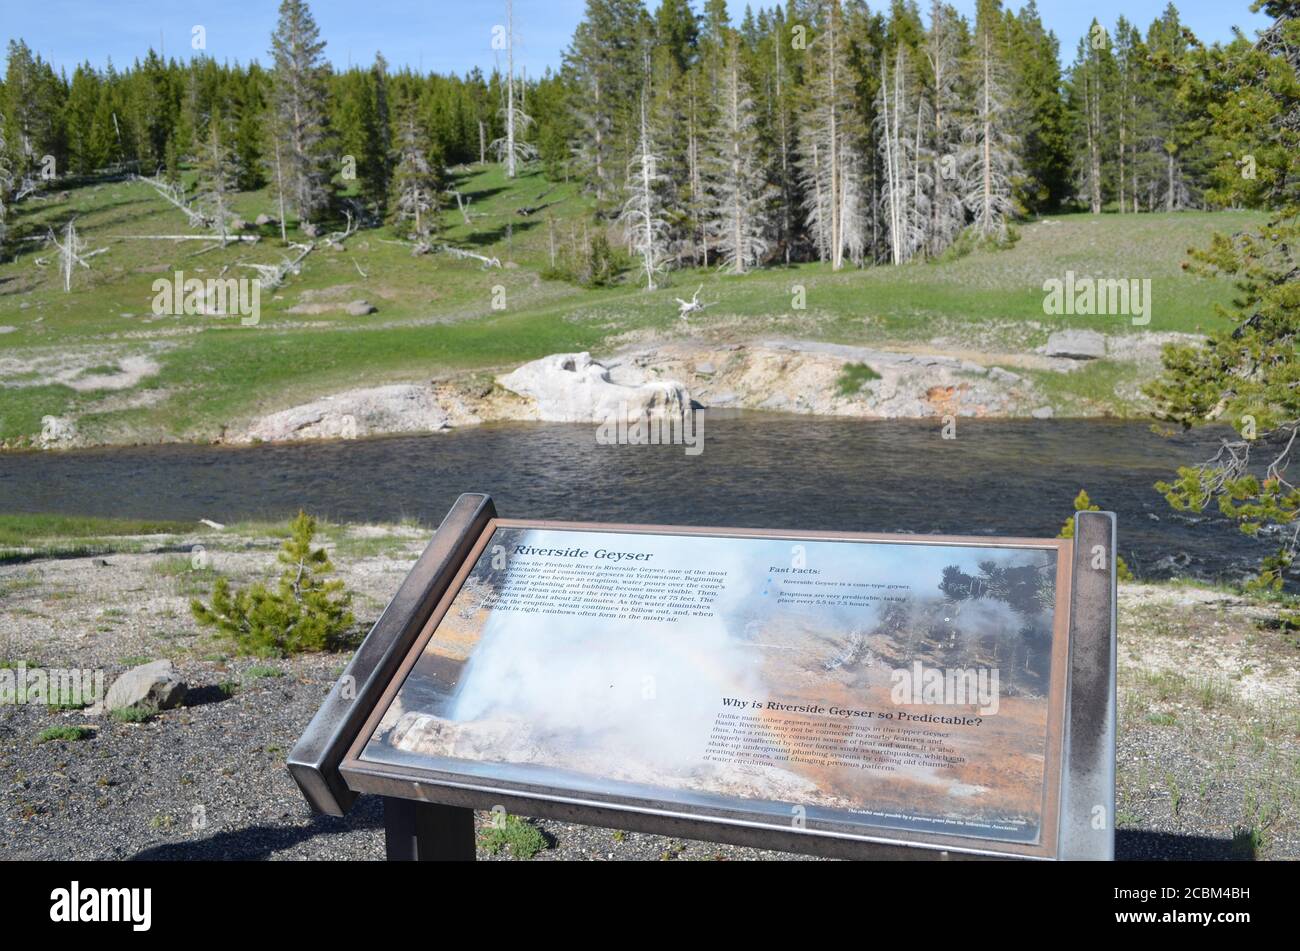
{"points": [[442, 35]]}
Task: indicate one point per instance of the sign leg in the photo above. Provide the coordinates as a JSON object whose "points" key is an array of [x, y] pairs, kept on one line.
{"points": [[427, 832]]}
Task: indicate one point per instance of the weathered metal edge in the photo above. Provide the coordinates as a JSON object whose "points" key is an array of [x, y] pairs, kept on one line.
{"points": [[1087, 825], [665, 820], [314, 762]]}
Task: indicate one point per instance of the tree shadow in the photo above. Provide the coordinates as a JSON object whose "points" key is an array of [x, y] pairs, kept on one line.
{"points": [[485, 239]]}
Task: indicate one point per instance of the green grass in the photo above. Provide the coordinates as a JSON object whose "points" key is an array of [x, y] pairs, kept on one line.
{"points": [[263, 673], [854, 377], [142, 713], [435, 313], [65, 734], [16, 530], [523, 839]]}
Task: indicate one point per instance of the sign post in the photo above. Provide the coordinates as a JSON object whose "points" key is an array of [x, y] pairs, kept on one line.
{"points": [[840, 694]]}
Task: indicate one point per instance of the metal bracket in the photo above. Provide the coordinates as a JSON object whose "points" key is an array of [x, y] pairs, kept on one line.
{"points": [[1087, 827]]}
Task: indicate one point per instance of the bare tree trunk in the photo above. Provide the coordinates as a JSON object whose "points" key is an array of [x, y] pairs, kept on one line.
{"points": [[988, 132], [786, 224], [837, 224], [279, 189], [698, 248], [510, 89]]}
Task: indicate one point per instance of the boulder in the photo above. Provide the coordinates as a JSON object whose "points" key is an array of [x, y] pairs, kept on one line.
{"points": [[361, 308], [573, 388], [400, 408], [1076, 345], [150, 685], [266, 221]]}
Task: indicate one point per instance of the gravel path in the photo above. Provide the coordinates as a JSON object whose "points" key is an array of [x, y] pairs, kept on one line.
{"points": [[1208, 760]]}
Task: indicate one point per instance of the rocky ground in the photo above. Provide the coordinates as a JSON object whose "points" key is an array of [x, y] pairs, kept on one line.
{"points": [[957, 377], [1209, 749], [777, 374]]}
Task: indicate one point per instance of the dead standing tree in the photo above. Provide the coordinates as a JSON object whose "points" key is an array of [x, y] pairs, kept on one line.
{"points": [[72, 253]]}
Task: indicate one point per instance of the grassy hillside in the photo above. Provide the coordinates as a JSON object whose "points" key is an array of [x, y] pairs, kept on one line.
{"points": [[61, 353]]}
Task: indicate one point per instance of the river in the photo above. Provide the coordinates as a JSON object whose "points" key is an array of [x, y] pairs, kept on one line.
{"points": [[996, 477]]}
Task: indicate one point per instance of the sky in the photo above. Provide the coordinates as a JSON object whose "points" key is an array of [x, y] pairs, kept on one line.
{"points": [[446, 35]]}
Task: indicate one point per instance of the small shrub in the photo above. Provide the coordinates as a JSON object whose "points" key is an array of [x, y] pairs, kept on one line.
{"points": [[1084, 504], [142, 713], [853, 377], [523, 839], [65, 733], [259, 672], [304, 613]]}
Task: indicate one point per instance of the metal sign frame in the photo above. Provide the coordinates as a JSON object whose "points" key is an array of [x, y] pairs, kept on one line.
{"points": [[430, 816]]}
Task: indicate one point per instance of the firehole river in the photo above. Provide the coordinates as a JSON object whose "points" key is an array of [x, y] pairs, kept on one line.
{"points": [[756, 471]]}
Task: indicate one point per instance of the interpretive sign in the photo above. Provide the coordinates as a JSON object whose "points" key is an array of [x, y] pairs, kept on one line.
{"points": [[818, 691]]}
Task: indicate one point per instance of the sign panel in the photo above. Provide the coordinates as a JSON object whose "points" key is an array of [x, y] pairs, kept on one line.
{"points": [[906, 688]]}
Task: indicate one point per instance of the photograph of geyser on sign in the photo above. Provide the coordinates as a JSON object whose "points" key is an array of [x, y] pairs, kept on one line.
{"points": [[852, 686]]}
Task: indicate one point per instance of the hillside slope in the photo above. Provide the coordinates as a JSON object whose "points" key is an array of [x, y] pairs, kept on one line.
{"points": [[101, 357]]}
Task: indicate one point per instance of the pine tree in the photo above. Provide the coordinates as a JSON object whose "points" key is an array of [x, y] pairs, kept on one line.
{"points": [[902, 120], [1246, 374], [1040, 120], [416, 181], [362, 135], [605, 61], [300, 122], [990, 147], [218, 175], [643, 215], [947, 212], [305, 612], [6, 186], [1175, 133], [249, 135], [738, 191], [84, 155], [33, 106], [677, 31], [1092, 85], [513, 147], [829, 140]]}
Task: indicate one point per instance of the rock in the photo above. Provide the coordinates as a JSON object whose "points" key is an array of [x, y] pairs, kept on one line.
{"points": [[1045, 413], [400, 408], [101, 563], [1076, 345], [1004, 376], [7, 330], [573, 388], [361, 308], [705, 369], [266, 221], [153, 684], [310, 230], [57, 431], [238, 224]]}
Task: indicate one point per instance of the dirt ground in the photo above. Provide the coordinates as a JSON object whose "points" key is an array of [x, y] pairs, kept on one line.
{"points": [[1208, 757]]}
